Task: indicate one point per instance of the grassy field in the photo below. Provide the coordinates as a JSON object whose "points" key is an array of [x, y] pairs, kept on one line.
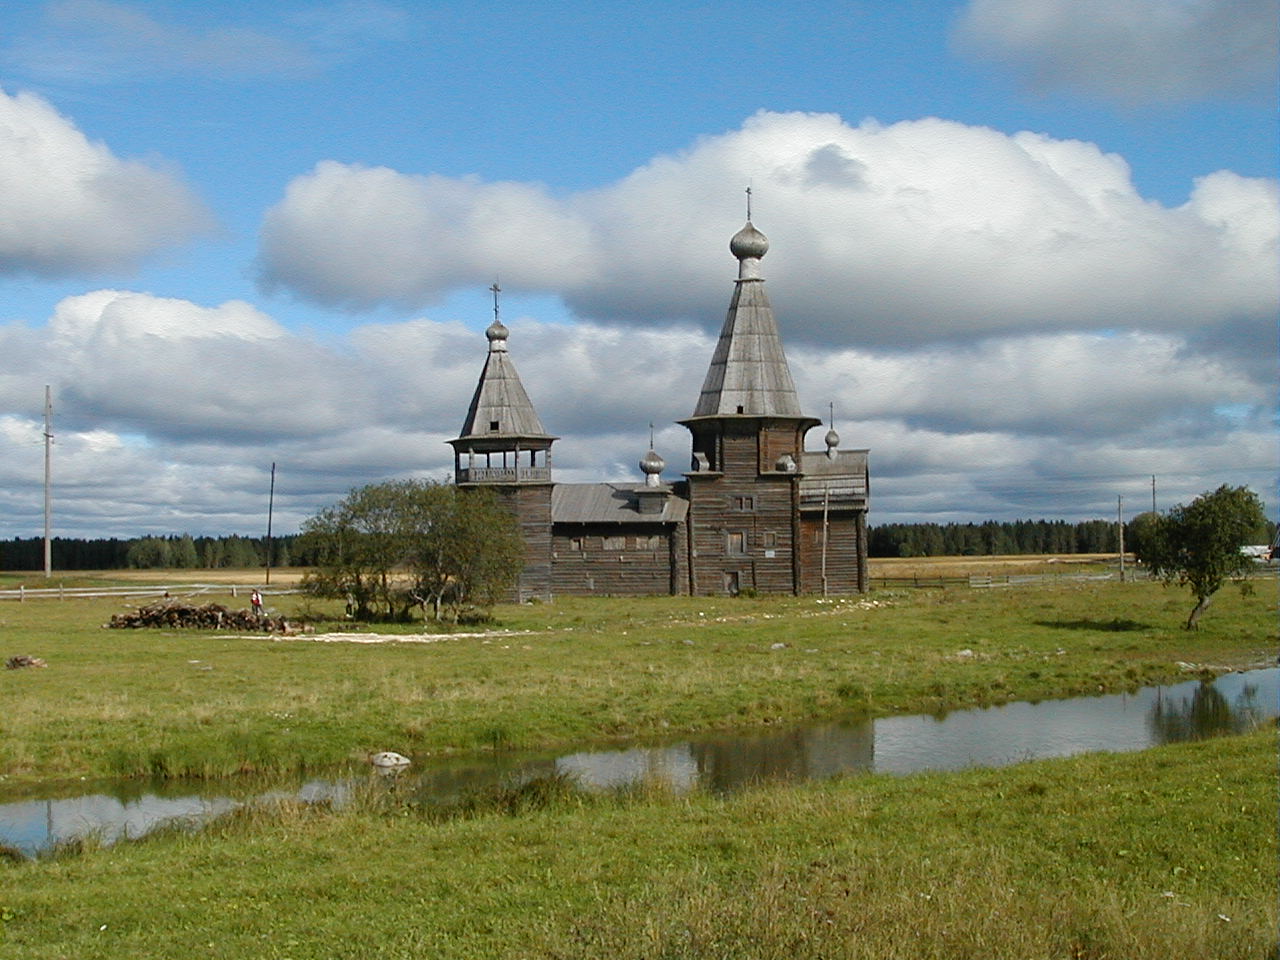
{"points": [[1149, 856], [879, 567], [141, 703], [1161, 854]]}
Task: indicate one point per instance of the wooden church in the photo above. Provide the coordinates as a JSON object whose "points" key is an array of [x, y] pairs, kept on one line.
{"points": [[755, 510]]}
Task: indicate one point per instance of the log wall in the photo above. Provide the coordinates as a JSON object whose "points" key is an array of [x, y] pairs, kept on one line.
{"points": [[846, 552], [531, 505], [613, 560], [742, 520]]}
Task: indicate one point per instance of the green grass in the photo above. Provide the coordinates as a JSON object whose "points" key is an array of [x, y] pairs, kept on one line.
{"points": [[1150, 856], [136, 703], [1166, 853]]}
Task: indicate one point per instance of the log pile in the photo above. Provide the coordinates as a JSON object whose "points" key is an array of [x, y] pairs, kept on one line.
{"points": [[210, 616]]}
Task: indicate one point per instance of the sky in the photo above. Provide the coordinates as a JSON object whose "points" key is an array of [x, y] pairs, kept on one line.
{"points": [[1025, 250]]}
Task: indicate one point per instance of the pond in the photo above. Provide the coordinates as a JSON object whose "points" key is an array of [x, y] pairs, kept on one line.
{"points": [[986, 737]]}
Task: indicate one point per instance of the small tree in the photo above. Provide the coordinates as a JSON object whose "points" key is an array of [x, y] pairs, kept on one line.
{"points": [[1199, 544], [466, 551], [359, 543], [392, 546]]}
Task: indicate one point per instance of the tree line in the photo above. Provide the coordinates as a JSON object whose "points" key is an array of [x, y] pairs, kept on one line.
{"points": [[167, 551], [993, 537], [183, 551]]}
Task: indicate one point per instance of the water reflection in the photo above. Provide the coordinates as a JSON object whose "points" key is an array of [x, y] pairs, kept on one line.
{"points": [[1205, 713], [991, 736], [723, 763]]}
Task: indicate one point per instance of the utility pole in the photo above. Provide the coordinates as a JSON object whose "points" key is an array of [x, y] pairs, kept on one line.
{"points": [[826, 508], [48, 499], [1120, 524], [271, 503]]}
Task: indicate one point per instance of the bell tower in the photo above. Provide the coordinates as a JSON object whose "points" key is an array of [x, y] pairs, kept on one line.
{"points": [[504, 447], [748, 443]]}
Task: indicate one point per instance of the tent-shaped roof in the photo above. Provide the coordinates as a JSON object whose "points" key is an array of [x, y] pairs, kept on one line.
{"points": [[501, 409], [749, 375]]}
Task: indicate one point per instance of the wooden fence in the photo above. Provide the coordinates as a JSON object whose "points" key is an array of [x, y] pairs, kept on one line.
{"points": [[141, 590], [996, 581], [984, 581]]}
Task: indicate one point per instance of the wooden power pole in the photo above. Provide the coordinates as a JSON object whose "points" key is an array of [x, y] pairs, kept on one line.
{"points": [[48, 498], [271, 503], [1120, 525]]}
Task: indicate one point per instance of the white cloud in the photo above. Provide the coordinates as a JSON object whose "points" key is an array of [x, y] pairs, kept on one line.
{"points": [[1069, 385], [170, 368], [1003, 320], [354, 236], [1132, 51], [168, 414], [912, 233], [69, 206]]}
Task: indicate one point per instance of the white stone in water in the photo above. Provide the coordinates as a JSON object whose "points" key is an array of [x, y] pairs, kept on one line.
{"points": [[389, 759]]}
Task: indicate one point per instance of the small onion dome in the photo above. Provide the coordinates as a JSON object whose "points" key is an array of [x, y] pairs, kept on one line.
{"points": [[833, 438], [497, 331], [652, 464], [749, 243]]}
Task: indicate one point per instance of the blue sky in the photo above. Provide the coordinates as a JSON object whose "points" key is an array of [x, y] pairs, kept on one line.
{"points": [[1027, 247]]}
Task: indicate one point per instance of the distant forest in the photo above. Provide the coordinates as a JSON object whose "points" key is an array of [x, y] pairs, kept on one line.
{"points": [[992, 537], [176, 551], [182, 551]]}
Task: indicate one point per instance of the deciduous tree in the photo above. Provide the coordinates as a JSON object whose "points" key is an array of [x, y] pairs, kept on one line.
{"points": [[391, 546], [1198, 545]]}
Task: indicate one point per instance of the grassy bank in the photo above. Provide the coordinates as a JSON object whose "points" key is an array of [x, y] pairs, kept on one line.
{"points": [[115, 702], [1167, 853]]}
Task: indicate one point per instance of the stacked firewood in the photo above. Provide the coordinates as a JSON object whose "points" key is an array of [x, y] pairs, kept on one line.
{"points": [[210, 616]]}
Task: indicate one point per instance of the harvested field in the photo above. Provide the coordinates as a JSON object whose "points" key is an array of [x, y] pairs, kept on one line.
{"points": [[933, 567]]}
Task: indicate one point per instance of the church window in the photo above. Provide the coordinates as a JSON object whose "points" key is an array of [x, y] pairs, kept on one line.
{"points": [[736, 542], [615, 543], [769, 539], [575, 543], [744, 503], [493, 424]]}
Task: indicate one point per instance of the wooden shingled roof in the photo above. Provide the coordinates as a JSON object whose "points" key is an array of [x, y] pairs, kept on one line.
{"points": [[609, 503], [749, 375], [500, 408]]}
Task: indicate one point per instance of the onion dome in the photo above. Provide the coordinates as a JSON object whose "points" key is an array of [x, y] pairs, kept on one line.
{"points": [[749, 243], [651, 466], [497, 335], [833, 438]]}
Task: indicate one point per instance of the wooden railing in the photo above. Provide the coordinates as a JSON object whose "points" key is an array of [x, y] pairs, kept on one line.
{"points": [[502, 474], [141, 590]]}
